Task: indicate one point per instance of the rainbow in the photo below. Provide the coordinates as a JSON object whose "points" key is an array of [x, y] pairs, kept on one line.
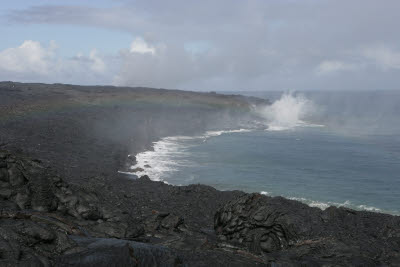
{"points": [[57, 100]]}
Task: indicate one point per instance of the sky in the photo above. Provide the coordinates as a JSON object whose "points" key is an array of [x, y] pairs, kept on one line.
{"points": [[208, 45]]}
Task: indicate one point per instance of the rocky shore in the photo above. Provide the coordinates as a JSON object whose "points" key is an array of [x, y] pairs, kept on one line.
{"points": [[63, 202]]}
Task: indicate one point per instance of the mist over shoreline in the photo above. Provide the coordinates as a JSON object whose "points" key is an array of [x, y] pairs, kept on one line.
{"points": [[346, 112], [200, 133]]}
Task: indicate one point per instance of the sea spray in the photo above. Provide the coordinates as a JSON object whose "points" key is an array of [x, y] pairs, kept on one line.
{"points": [[313, 165], [291, 110]]}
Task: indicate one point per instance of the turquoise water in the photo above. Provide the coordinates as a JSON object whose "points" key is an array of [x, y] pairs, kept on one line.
{"points": [[319, 164]]}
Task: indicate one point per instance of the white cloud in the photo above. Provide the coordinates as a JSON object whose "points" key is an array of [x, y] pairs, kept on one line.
{"points": [[383, 56], [154, 66], [331, 66], [31, 56], [31, 61], [98, 64], [140, 46], [259, 45]]}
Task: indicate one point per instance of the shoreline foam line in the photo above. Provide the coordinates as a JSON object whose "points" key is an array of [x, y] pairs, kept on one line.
{"points": [[158, 160], [324, 205]]}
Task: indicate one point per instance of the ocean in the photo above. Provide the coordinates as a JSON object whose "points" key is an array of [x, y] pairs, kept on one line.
{"points": [[321, 148]]}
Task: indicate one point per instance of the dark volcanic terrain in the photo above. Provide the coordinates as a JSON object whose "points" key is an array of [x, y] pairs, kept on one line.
{"points": [[63, 202]]}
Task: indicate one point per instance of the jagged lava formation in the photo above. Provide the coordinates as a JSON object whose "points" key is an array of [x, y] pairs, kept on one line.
{"points": [[63, 202]]}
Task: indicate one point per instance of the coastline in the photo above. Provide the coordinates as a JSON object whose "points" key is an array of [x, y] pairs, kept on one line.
{"points": [[150, 163], [169, 144], [89, 130], [64, 203]]}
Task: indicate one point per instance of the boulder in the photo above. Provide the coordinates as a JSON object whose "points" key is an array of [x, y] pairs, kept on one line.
{"points": [[5, 193], [4, 175], [264, 224], [88, 212], [22, 200], [131, 161], [43, 198], [292, 232], [16, 177], [164, 222]]}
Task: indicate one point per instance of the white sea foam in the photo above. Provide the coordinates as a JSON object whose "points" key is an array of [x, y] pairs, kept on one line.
{"points": [[218, 133], [167, 155], [171, 153], [325, 205]]}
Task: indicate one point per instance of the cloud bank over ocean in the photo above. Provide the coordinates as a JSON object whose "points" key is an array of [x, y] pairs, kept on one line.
{"points": [[206, 45]]}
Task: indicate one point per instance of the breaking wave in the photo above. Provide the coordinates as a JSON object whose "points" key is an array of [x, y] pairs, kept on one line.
{"points": [[324, 205], [172, 157], [171, 153]]}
